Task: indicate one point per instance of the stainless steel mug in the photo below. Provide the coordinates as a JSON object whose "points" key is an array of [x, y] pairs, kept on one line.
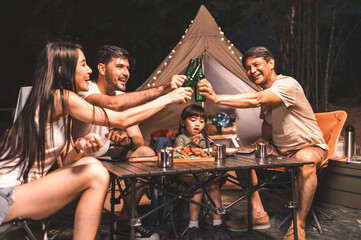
{"points": [[262, 150], [219, 151], [165, 158]]}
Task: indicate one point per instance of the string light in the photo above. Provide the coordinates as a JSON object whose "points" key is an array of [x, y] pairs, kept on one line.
{"points": [[168, 59], [165, 64]]}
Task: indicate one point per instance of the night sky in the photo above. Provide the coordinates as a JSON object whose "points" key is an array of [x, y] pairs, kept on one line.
{"points": [[147, 29]]}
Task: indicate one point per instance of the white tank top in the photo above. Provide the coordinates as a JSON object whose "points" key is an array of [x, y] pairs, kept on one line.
{"points": [[54, 146]]}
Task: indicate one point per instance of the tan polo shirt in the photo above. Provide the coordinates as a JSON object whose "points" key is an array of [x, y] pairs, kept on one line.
{"points": [[293, 121]]}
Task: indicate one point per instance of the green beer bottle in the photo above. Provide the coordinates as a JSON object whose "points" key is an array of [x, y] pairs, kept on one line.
{"points": [[188, 82], [199, 76]]}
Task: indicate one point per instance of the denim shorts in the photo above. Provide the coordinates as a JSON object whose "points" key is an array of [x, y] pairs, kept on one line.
{"points": [[5, 201]]}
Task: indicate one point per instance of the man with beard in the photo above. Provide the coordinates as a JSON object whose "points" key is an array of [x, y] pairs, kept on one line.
{"points": [[108, 92]]}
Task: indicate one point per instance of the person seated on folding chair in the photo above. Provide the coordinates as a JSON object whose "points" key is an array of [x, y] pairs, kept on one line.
{"points": [[289, 124], [108, 91], [191, 134], [41, 134]]}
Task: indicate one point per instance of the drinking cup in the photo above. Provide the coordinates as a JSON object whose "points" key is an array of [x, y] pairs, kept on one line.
{"points": [[219, 151], [165, 158], [263, 150]]}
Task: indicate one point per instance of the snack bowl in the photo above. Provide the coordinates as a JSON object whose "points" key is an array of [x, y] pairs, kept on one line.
{"points": [[229, 151]]}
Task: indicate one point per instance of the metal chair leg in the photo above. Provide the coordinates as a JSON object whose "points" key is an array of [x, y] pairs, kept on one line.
{"points": [[289, 215], [323, 213], [319, 228]]}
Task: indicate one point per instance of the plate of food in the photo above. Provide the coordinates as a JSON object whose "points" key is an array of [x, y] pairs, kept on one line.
{"points": [[229, 151], [189, 153]]}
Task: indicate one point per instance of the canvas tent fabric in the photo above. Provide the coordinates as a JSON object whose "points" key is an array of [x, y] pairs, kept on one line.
{"points": [[223, 69]]}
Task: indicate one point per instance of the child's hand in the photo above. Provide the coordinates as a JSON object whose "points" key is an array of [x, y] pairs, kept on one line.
{"points": [[195, 140]]}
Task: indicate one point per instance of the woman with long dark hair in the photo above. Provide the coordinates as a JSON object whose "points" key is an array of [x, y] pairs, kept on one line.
{"points": [[41, 135]]}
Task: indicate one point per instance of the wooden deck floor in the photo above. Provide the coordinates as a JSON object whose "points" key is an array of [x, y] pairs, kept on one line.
{"points": [[346, 223]]}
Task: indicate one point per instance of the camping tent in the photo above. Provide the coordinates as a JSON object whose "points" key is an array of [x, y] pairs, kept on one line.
{"points": [[223, 69]]}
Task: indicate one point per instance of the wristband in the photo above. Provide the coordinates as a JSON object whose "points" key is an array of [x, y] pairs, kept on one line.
{"points": [[75, 146]]}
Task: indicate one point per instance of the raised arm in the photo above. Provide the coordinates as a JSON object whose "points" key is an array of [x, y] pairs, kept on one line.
{"points": [[132, 99], [88, 113], [241, 100]]}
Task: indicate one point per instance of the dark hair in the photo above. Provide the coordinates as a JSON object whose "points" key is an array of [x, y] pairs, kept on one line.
{"points": [[107, 52], [257, 52], [26, 139], [192, 110]]}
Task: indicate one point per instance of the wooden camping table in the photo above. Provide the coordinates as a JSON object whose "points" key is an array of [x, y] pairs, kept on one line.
{"points": [[146, 171]]}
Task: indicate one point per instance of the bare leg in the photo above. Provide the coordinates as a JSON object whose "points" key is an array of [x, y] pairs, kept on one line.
{"points": [[215, 194], [86, 179], [306, 182], [197, 197], [257, 207], [142, 151]]}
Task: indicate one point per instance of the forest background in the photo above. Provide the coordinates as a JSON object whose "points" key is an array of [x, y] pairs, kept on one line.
{"points": [[318, 42]]}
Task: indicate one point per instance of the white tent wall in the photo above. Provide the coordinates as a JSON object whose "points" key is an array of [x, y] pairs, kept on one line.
{"points": [[223, 69], [223, 82]]}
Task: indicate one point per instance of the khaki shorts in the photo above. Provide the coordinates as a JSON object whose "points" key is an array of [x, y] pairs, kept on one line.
{"points": [[291, 152]]}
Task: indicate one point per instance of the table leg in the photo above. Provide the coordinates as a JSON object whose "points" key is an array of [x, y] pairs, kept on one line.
{"points": [[112, 202], [249, 203], [295, 232], [132, 209]]}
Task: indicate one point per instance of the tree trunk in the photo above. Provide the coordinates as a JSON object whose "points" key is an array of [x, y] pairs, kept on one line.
{"points": [[329, 56]]}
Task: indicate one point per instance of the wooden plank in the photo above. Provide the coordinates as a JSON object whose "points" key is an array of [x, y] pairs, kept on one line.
{"points": [[143, 159], [195, 160], [340, 198], [117, 170], [175, 160]]}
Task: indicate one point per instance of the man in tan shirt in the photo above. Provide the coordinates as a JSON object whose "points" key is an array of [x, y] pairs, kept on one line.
{"points": [[289, 124]]}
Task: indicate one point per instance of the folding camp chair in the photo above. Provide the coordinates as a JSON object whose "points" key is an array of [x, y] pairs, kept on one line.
{"points": [[21, 223], [331, 124]]}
